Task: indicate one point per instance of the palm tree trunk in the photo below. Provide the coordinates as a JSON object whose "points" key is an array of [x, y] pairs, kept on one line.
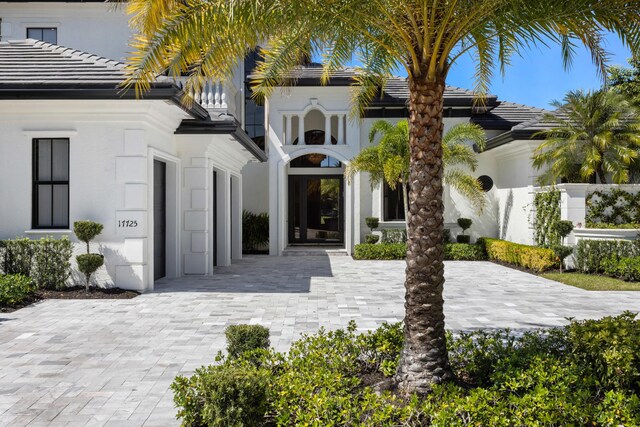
{"points": [[424, 359], [405, 204], [601, 175]]}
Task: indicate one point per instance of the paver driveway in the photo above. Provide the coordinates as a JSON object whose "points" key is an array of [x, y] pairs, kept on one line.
{"points": [[111, 362]]}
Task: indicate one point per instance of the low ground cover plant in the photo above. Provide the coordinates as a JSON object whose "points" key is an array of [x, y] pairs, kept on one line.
{"points": [[531, 257], [587, 373]]}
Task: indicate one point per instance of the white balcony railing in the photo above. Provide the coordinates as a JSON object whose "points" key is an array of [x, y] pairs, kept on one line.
{"points": [[214, 95]]}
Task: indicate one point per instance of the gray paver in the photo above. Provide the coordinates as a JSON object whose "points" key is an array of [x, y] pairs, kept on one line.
{"points": [[110, 362]]}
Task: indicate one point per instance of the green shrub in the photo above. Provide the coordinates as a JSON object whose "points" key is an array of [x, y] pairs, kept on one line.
{"points": [[563, 228], [371, 238], [608, 350], [582, 374], [382, 251], [446, 236], [255, 231], [17, 256], [243, 338], [561, 253], [226, 396], [394, 235], [89, 264], [463, 239], [15, 289], [380, 349], [590, 254], [531, 257], [52, 262], [86, 231], [372, 222], [464, 252], [623, 268]]}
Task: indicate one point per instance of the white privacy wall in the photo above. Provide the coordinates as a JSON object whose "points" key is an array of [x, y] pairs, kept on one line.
{"points": [[99, 28], [111, 153]]}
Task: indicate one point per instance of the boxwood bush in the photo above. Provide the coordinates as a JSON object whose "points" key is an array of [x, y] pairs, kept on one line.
{"points": [[532, 257], [243, 338], [15, 289], [590, 254], [464, 252], [380, 251], [587, 373], [623, 268]]}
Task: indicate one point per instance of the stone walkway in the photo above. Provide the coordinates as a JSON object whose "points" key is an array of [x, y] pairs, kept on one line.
{"points": [[101, 362]]}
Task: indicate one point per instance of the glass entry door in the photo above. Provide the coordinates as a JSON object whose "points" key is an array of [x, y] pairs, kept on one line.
{"points": [[316, 209]]}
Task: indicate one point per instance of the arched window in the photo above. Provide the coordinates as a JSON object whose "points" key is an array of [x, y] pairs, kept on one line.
{"points": [[315, 160]]}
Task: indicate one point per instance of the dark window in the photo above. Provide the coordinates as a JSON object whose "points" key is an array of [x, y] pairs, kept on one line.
{"points": [[315, 137], [50, 183], [49, 35], [253, 112], [393, 203], [315, 160]]}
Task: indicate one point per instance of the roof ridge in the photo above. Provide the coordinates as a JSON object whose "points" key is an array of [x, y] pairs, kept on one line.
{"points": [[78, 54]]}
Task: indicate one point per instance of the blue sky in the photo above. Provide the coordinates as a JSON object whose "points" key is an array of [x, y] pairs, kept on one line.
{"points": [[538, 77]]}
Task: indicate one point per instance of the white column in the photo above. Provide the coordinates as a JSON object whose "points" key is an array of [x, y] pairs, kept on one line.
{"points": [[236, 212], [341, 129], [301, 130], [224, 218], [327, 129], [287, 139]]}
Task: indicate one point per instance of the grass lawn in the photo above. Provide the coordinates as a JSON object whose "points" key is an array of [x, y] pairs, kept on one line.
{"points": [[592, 282]]}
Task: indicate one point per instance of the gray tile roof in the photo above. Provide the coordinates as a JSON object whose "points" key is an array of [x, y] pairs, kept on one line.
{"points": [[28, 62], [507, 115], [396, 90]]}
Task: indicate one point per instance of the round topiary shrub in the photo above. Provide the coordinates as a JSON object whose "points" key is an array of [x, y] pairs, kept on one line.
{"points": [[89, 264], [372, 222], [243, 338], [86, 231], [464, 223], [563, 228], [371, 238]]}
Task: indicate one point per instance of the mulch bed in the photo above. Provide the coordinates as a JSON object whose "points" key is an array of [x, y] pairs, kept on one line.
{"points": [[74, 292]]}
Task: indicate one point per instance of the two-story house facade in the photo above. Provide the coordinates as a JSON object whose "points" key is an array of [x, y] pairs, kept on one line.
{"points": [[169, 179]]}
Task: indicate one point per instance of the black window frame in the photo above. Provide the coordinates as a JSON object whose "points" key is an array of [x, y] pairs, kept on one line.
{"points": [[36, 183], [42, 29]]}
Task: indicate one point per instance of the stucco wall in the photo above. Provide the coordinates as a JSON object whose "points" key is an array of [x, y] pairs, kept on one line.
{"points": [[108, 177], [100, 28]]}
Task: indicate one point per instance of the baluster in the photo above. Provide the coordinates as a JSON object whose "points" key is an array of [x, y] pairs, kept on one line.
{"points": [[209, 95], [223, 96], [217, 94]]}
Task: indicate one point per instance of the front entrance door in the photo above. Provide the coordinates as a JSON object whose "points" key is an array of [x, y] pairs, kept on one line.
{"points": [[159, 219], [316, 209]]}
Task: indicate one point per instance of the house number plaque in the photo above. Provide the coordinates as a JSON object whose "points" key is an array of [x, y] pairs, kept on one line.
{"points": [[127, 223], [131, 223]]}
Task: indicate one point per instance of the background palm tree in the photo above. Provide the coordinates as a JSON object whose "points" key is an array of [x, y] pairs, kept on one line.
{"points": [[596, 134], [389, 161], [207, 38]]}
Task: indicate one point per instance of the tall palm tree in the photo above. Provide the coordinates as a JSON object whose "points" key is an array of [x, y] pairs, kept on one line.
{"points": [[596, 133], [390, 160], [207, 38]]}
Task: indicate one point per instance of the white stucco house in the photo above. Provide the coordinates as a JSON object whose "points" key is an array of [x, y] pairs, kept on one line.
{"points": [[169, 179]]}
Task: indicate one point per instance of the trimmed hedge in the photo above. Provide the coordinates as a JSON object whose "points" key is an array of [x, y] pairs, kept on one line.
{"points": [[532, 257], [395, 251], [381, 251], [464, 252], [14, 289], [47, 261], [590, 254], [624, 268]]}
